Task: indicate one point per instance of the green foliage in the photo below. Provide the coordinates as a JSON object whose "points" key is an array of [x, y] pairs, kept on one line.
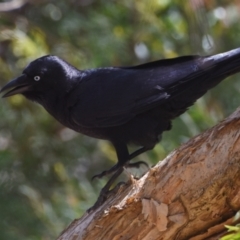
{"points": [[46, 169], [234, 233]]}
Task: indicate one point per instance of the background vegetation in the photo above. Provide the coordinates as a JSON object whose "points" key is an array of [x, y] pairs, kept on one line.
{"points": [[46, 169]]}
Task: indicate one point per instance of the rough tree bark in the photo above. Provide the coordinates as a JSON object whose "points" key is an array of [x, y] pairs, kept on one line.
{"points": [[191, 194]]}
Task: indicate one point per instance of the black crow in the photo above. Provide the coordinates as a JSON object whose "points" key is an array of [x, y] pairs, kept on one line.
{"points": [[123, 105]]}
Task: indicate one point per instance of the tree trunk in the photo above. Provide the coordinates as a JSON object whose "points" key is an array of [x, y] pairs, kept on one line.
{"points": [[191, 194]]}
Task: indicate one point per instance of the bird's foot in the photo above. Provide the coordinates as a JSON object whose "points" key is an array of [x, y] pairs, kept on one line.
{"points": [[101, 199], [104, 194], [117, 166], [136, 164], [107, 172]]}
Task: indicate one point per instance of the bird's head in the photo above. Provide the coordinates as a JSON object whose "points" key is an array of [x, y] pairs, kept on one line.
{"points": [[44, 76]]}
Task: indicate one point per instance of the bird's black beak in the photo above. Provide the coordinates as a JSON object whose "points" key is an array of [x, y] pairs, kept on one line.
{"points": [[18, 85]]}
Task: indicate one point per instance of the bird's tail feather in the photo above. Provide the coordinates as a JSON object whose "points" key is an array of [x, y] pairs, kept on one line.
{"points": [[226, 63], [212, 70]]}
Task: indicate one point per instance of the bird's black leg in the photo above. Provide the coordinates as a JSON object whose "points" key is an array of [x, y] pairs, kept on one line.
{"points": [[117, 169], [138, 152], [135, 154], [122, 155], [107, 172], [136, 164], [105, 190], [123, 159]]}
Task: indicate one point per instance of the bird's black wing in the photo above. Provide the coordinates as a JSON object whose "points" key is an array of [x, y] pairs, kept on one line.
{"points": [[112, 96]]}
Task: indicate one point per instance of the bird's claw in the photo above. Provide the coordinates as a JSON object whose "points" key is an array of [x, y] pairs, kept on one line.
{"points": [[136, 164], [107, 172], [104, 195], [100, 175], [115, 168]]}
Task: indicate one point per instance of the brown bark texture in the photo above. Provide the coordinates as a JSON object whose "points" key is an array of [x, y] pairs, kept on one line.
{"points": [[191, 194]]}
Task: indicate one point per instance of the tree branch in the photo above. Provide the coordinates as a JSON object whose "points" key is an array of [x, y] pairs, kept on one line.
{"points": [[189, 195]]}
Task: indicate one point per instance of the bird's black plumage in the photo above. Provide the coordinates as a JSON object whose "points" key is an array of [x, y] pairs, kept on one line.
{"points": [[122, 104]]}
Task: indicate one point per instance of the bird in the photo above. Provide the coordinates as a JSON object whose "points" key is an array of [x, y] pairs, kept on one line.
{"points": [[124, 105]]}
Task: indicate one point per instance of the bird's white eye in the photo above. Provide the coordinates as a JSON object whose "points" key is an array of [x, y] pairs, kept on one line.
{"points": [[37, 78]]}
